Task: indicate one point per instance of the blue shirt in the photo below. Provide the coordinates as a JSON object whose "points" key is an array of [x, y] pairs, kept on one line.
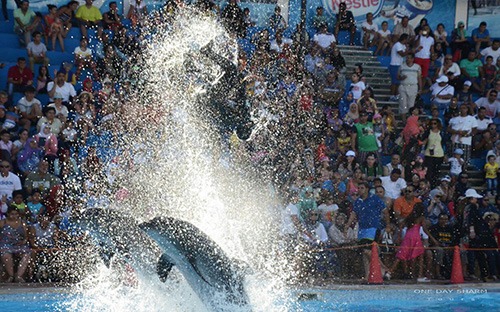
{"points": [[476, 33], [328, 185], [369, 212]]}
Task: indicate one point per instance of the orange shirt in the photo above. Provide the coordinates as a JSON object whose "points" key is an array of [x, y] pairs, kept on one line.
{"points": [[404, 207]]}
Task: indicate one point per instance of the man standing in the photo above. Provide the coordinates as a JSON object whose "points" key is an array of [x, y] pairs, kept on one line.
{"points": [[364, 136], [398, 52], [89, 17], [462, 128], [368, 210], [393, 184], [26, 22], [410, 76], [425, 47]]}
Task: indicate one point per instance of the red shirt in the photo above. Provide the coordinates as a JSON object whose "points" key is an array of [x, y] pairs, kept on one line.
{"points": [[24, 76]]}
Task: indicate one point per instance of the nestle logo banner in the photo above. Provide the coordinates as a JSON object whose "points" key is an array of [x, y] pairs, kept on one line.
{"points": [[385, 8]]}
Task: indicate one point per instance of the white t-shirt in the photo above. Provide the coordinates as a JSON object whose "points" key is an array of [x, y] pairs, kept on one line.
{"points": [[373, 26], [319, 234], [393, 189], [66, 90], [437, 90], [460, 123], [279, 47], [489, 51], [455, 69], [384, 34], [492, 109], [324, 40], [357, 89], [9, 184], [483, 124], [83, 54], [426, 43], [36, 49], [396, 59], [455, 166], [26, 106]]}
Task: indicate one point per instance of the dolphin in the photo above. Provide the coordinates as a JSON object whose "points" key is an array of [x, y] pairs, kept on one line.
{"points": [[202, 262], [162, 243]]}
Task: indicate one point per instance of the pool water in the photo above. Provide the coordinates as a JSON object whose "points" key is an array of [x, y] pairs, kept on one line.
{"points": [[461, 299]]}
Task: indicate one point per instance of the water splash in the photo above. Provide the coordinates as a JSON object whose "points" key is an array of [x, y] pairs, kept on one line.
{"points": [[170, 164]]}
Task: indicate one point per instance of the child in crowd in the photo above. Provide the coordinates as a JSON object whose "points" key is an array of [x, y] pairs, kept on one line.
{"points": [[5, 142], [456, 164], [418, 167], [465, 95], [18, 202], [378, 129], [490, 72], [357, 86], [35, 205], [491, 169]]}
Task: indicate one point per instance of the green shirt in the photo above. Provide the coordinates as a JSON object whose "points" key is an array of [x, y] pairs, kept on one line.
{"points": [[367, 142], [472, 68], [92, 15], [26, 19]]}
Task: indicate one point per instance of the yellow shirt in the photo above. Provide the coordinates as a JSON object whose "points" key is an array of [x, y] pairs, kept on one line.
{"points": [[92, 15], [491, 170]]}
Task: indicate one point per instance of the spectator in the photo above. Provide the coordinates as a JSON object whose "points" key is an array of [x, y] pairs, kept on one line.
{"points": [[83, 57], [67, 16], [137, 12], [434, 153], [345, 21], [368, 210], [61, 110], [384, 40], [425, 46], [50, 119], [370, 31], [363, 137], [26, 22], [30, 108], [459, 42], [29, 157], [9, 182], [403, 28], [393, 184], [398, 52], [493, 51], [89, 17], [37, 51], [491, 169], [472, 70], [440, 35], [481, 37], [412, 247], [319, 19], [111, 20], [394, 164], [54, 27], [325, 40], [410, 77], [445, 235], [436, 207], [490, 103], [451, 70], [59, 85], [14, 242], [442, 93], [19, 76], [462, 128], [279, 44], [276, 20], [42, 79], [403, 205], [340, 233], [41, 179]]}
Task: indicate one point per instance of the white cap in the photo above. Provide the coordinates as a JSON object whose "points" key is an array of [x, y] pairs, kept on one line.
{"points": [[446, 178], [350, 153], [472, 193], [443, 78], [468, 83]]}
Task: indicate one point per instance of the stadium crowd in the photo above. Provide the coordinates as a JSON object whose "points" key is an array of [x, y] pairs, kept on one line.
{"points": [[352, 171]]}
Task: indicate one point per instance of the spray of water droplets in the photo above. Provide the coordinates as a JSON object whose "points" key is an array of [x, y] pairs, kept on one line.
{"points": [[170, 165]]}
